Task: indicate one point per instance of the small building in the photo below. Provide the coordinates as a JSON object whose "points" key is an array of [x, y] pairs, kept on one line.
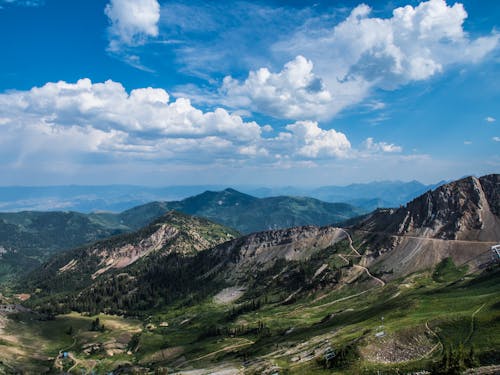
{"points": [[329, 354], [495, 252]]}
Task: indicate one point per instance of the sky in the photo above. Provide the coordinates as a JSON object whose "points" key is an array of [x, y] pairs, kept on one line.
{"points": [[155, 92]]}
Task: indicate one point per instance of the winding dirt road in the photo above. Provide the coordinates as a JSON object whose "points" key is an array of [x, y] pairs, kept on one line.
{"points": [[353, 249]]}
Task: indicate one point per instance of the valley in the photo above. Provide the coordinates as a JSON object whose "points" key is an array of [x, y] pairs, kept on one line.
{"points": [[397, 291], [240, 187]]}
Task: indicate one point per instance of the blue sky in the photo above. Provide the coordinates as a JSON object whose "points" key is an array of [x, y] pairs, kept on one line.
{"points": [[234, 92]]}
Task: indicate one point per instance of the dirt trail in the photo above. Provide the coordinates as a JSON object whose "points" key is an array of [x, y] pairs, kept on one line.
{"points": [[339, 300], [225, 349], [472, 325], [381, 282], [426, 238], [439, 344], [350, 241]]}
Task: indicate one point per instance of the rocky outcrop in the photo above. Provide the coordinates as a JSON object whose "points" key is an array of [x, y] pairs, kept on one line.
{"points": [[259, 252], [467, 209], [172, 233], [458, 220]]}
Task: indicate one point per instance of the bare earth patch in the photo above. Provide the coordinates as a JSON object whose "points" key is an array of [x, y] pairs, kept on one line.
{"points": [[228, 295], [400, 347]]}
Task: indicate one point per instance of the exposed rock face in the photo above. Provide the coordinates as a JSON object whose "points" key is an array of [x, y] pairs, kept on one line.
{"points": [[260, 251], [467, 209], [458, 220], [122, 256], [172, 233]]}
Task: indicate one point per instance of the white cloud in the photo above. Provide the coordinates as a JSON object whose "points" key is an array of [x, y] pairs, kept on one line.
{"points": [[295, 92], [310, 141], [357, 56], [467, 142], [370, 145], [496, 139], [108, 106], [101, 123], [414, 44], [91, 118], [132, 22], [490, 119]]}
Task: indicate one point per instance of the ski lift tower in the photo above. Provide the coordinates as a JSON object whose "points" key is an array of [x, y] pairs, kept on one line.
{"points": [[495, 252]]}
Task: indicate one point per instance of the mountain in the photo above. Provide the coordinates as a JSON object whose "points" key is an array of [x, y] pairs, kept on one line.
{"points": [[367, 196], [90, 198], [172, 233], [249, 214], [28, 238], [460, 220], [116, 198], [164, 263], [412, 289], [374, 194]]}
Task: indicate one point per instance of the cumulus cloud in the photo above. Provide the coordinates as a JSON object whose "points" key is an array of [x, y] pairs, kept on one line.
{"points": [[295, 92], [108, 106], [496, 139], [361, 54], [490, 119], [103, 118], [102, 121], [370, 145], [132, 22], [311, 141]]}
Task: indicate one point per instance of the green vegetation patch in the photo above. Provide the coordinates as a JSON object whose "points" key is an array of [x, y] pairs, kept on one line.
{"points": [[447, 271]]}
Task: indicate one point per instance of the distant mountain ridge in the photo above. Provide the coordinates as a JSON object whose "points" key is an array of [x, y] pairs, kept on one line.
{"points": [[28, 238], [250, 214], [117, 198], [445, 223]]}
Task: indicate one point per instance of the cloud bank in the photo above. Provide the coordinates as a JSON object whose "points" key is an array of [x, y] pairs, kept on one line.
{"points": [[102, 121], [356, 57]]}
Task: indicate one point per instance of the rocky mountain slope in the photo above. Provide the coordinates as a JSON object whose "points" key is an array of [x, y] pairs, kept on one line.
{"points": [[459, 220], [29, 238], [172, 233], [456, 221]]}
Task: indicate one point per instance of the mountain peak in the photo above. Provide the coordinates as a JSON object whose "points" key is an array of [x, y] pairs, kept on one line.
{"points": [[466, 209]]}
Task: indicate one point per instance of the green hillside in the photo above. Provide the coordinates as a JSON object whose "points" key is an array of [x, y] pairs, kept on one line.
{"points": [[29, 238], [249, 214], [408, 325]]}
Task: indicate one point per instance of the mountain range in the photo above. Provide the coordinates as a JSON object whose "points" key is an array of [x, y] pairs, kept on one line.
{"points": [[459, 221], [409, 289], [117, 198], [30, 237]]}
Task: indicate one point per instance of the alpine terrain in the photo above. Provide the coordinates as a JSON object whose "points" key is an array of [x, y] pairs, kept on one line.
{"points": [[412, 289]]}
